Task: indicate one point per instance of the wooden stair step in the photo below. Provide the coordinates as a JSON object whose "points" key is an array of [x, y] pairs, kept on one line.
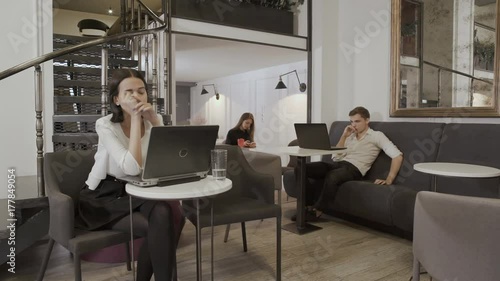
{"points": [[76, 117], [77, 83], [77, 99], [97, 50], [91, 138], [96, 60]]}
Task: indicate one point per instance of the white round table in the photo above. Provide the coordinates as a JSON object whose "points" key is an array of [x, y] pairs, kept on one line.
{"points": [[195, 190], [456, 170]]}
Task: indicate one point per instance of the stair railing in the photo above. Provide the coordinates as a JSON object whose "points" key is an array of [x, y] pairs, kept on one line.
{"points": [[443, 68]]}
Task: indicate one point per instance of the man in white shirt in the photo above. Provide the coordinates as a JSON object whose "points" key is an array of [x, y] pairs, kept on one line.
{"points": [[362, 148]]}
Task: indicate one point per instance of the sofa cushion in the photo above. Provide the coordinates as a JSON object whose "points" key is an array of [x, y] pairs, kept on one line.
{"points": [[402, 208], [365, 200], [471, 144], [418, 141]]}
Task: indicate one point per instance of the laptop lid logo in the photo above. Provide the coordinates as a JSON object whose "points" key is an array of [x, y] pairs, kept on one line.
{"points": [[183, 153]]}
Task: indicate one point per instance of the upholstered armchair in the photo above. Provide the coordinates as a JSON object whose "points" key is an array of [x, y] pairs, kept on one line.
{"points": [[456, 237], [250, 198]]}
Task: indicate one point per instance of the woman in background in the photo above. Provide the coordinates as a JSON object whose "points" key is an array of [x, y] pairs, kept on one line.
{"points": [[123, 143], [245, 130]]}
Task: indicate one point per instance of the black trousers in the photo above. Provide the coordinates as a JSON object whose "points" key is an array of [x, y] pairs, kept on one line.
{"points": [[321, 197]]}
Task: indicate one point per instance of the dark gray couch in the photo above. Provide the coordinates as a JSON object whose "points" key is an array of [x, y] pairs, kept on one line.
{"points": [[390, 208]]}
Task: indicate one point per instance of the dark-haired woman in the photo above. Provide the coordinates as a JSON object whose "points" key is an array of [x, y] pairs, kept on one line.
{"points": [[243, 130], [123, 143]]}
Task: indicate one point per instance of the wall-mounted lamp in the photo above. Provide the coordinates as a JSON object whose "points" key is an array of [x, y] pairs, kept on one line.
{"points": [[281, 85], [110, 11], [204, 91]]}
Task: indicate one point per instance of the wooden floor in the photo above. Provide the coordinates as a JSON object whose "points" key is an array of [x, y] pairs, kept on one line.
{"points": [[340, 251]]}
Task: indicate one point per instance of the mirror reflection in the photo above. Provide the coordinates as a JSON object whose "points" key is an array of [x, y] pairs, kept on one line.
{"points": [[446, 54]]}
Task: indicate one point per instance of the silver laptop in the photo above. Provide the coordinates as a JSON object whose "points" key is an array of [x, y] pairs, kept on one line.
{"points": [[176, 154], [314, 136]]}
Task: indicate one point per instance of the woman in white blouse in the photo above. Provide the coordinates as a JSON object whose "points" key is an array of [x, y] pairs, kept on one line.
{"points": [[123, 143]]}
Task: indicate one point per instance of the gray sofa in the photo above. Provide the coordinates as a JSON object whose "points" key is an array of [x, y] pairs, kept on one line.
{"points": [[390, 208]]}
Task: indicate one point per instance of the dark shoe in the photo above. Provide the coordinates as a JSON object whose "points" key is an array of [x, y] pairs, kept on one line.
{"points": [[310, 216]]}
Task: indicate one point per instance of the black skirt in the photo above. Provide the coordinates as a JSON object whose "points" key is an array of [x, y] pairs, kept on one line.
{"points": [[105, 205]]}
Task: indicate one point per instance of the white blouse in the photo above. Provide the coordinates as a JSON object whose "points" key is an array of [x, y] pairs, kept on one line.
{"points": [[112, 156]]}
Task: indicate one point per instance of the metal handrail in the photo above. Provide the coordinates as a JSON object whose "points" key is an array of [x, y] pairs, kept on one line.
{"points": [[457, 72], [41, 59], [489, 28], [151, 13]]}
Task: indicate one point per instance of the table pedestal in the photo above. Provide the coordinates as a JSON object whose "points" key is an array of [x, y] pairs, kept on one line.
{"points": [[300, 226]]}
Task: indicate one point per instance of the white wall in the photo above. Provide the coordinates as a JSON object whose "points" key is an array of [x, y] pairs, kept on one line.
{"points": [[364, 76], [275, 111], [351, 67], [24, 39], [65, 21]]}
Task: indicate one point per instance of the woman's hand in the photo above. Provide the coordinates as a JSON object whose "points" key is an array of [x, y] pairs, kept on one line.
{"points": [[146, 111], [129, 103], [250, 144]]}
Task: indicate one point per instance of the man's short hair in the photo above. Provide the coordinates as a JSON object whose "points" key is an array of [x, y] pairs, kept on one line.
{"points": [[363, 112]]}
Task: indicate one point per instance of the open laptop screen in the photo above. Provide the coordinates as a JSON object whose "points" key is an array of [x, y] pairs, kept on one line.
{"points": [[177, 151]]}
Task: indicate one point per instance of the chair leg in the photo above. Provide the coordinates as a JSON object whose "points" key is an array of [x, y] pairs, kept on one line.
{"points": [[278, 248], [244, 235], [78, 269], [228, 227], [416, 269], [127, 248], [45, 261]]}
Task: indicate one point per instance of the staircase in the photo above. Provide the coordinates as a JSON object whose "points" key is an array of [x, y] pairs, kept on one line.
{"points": [[77, 91], [77, 106]]}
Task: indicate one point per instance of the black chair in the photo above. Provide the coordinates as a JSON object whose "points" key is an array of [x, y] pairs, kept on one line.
{"points": [[292, 163], [65, 173], [250, 198]]}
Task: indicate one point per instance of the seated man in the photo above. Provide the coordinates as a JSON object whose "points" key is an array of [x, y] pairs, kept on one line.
{"points": [[362, 148]]}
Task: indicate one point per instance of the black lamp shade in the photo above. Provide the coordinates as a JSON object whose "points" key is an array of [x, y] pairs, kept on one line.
{"points": [[280, 85], [203, 91]]}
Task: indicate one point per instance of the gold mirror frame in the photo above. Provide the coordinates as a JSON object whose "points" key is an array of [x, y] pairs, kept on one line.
{"points": [[493, 111]]}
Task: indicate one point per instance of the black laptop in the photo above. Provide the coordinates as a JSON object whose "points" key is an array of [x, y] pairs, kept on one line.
{"points": [[314, 136], [176, 154]]}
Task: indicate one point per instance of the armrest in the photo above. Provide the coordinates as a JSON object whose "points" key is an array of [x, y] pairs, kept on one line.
{"points": [[265, 163], [254, 184], [289, 183], [258, 186], [62, 217], [456, 226]]}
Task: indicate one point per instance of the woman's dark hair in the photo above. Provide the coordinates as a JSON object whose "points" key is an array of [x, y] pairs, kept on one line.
{"points": [[245, 116], [363, 112], [118, 76]]}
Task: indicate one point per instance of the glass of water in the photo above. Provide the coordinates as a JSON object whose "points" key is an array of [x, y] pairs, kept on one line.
{"points": [[219, 163]]}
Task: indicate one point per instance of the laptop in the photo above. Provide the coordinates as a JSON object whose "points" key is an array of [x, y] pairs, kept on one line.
{"points": [[314, 136], [176, 154]]}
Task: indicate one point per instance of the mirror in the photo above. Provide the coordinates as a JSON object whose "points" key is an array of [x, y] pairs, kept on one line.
{"points": [[444, 59]]}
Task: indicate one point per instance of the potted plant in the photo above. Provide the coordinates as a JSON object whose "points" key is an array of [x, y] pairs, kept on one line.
{"points": [[265, 15], [484, 54]]}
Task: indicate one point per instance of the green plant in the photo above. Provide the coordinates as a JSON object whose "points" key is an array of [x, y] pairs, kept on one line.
{"points": [[484, 50], [409, 29], [287, 5]]}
